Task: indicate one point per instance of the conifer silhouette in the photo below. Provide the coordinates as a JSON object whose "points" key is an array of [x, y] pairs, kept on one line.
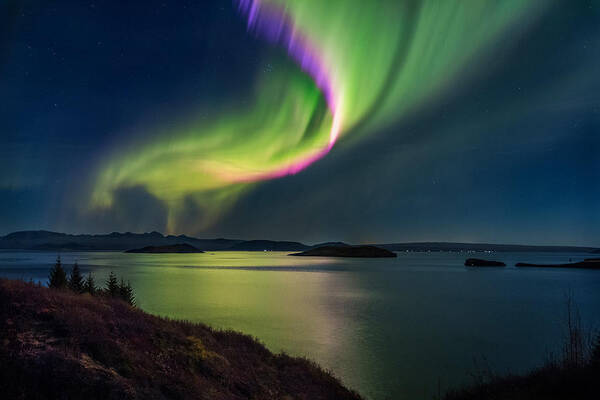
{"points": [[126, 292], [75, 279], [89, 286], [58, 276], [112, 285]]}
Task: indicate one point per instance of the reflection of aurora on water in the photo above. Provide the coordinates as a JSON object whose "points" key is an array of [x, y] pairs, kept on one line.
{"points": [[359, 66]]}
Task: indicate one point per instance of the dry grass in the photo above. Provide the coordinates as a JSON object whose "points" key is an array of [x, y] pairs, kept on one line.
{"points": [[57, 344], [573, 376]]}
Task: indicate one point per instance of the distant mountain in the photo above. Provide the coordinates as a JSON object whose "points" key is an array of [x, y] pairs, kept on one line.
{"points": [[338, 244], [55, 241], [269, 245], [447, 246]]}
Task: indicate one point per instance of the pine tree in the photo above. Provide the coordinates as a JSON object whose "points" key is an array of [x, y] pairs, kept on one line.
{"points": [[89, 286], [112, 286], [126, 292], [58, 276], [75, 279], [130, 298]]}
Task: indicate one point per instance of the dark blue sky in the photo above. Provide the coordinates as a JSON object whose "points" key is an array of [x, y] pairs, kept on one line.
{"points": [[511, 154]]}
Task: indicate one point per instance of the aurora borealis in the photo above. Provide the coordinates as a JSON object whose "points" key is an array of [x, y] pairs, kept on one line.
{"points": [[258, 117], [282, 138]]}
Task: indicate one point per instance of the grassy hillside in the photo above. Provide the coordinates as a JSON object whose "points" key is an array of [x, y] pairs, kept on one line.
{"points": [[551, 382], [57, 344], [576, 376]]}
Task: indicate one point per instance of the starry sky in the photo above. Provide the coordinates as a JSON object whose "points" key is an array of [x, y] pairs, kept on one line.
{"points": [[382, 121]]}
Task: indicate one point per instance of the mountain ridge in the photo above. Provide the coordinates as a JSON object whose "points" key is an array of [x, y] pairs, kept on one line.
{"points": [[56, 241]]}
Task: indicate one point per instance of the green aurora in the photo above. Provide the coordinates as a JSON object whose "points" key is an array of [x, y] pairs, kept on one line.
{"points": [[381, 60]]}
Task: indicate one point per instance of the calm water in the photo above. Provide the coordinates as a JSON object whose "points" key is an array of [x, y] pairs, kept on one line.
{"points": [[390, 328]]}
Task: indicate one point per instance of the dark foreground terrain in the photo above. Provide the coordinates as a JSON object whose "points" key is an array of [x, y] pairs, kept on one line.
{"points": [[57, 344], [552, 382]]}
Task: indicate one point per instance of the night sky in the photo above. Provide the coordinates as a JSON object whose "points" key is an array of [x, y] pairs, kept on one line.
{"points": [[343, 120]]}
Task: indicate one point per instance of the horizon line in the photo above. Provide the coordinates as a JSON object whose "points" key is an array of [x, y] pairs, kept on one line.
{"points": [[301, 242]]}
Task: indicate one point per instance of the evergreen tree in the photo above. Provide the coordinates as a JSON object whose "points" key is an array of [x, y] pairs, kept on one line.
{"points": [[89, 286], [58, 276], [126, 292], [75, 279], [112, 286], [130, 298]]}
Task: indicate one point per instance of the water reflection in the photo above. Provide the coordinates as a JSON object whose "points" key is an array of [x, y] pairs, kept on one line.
{"points": [[389, 328]]}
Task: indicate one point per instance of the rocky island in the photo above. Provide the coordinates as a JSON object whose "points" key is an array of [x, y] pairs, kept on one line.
{"points": [[477, 262], [347, 251], [590, 263], [59, 344], [171, 248]]}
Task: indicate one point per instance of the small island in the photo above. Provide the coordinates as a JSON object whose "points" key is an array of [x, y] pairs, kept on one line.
{"points": [[347, 251], [590, 263], [477, 262], [171, 248]]}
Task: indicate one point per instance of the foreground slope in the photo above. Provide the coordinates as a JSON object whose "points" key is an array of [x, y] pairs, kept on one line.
{"points": [[551, 382], [56, 344]]}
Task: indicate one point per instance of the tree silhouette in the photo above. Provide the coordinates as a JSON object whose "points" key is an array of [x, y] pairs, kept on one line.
{"points": [[58, 276], [126, 292], [89, 285], [112, 285], [75, 279]]}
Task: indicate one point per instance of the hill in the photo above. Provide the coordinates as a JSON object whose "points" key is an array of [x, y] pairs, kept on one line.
{"points": [[55, 241], [347, 251], [58, 344], [552, 381], [450, 246]]}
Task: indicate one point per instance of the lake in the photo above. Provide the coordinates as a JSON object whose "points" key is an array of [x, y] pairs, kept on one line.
{"points": [[389, 328]]}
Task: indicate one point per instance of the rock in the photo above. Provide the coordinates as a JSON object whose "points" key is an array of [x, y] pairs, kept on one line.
{"points": [[590, 263], [477, 262]]}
